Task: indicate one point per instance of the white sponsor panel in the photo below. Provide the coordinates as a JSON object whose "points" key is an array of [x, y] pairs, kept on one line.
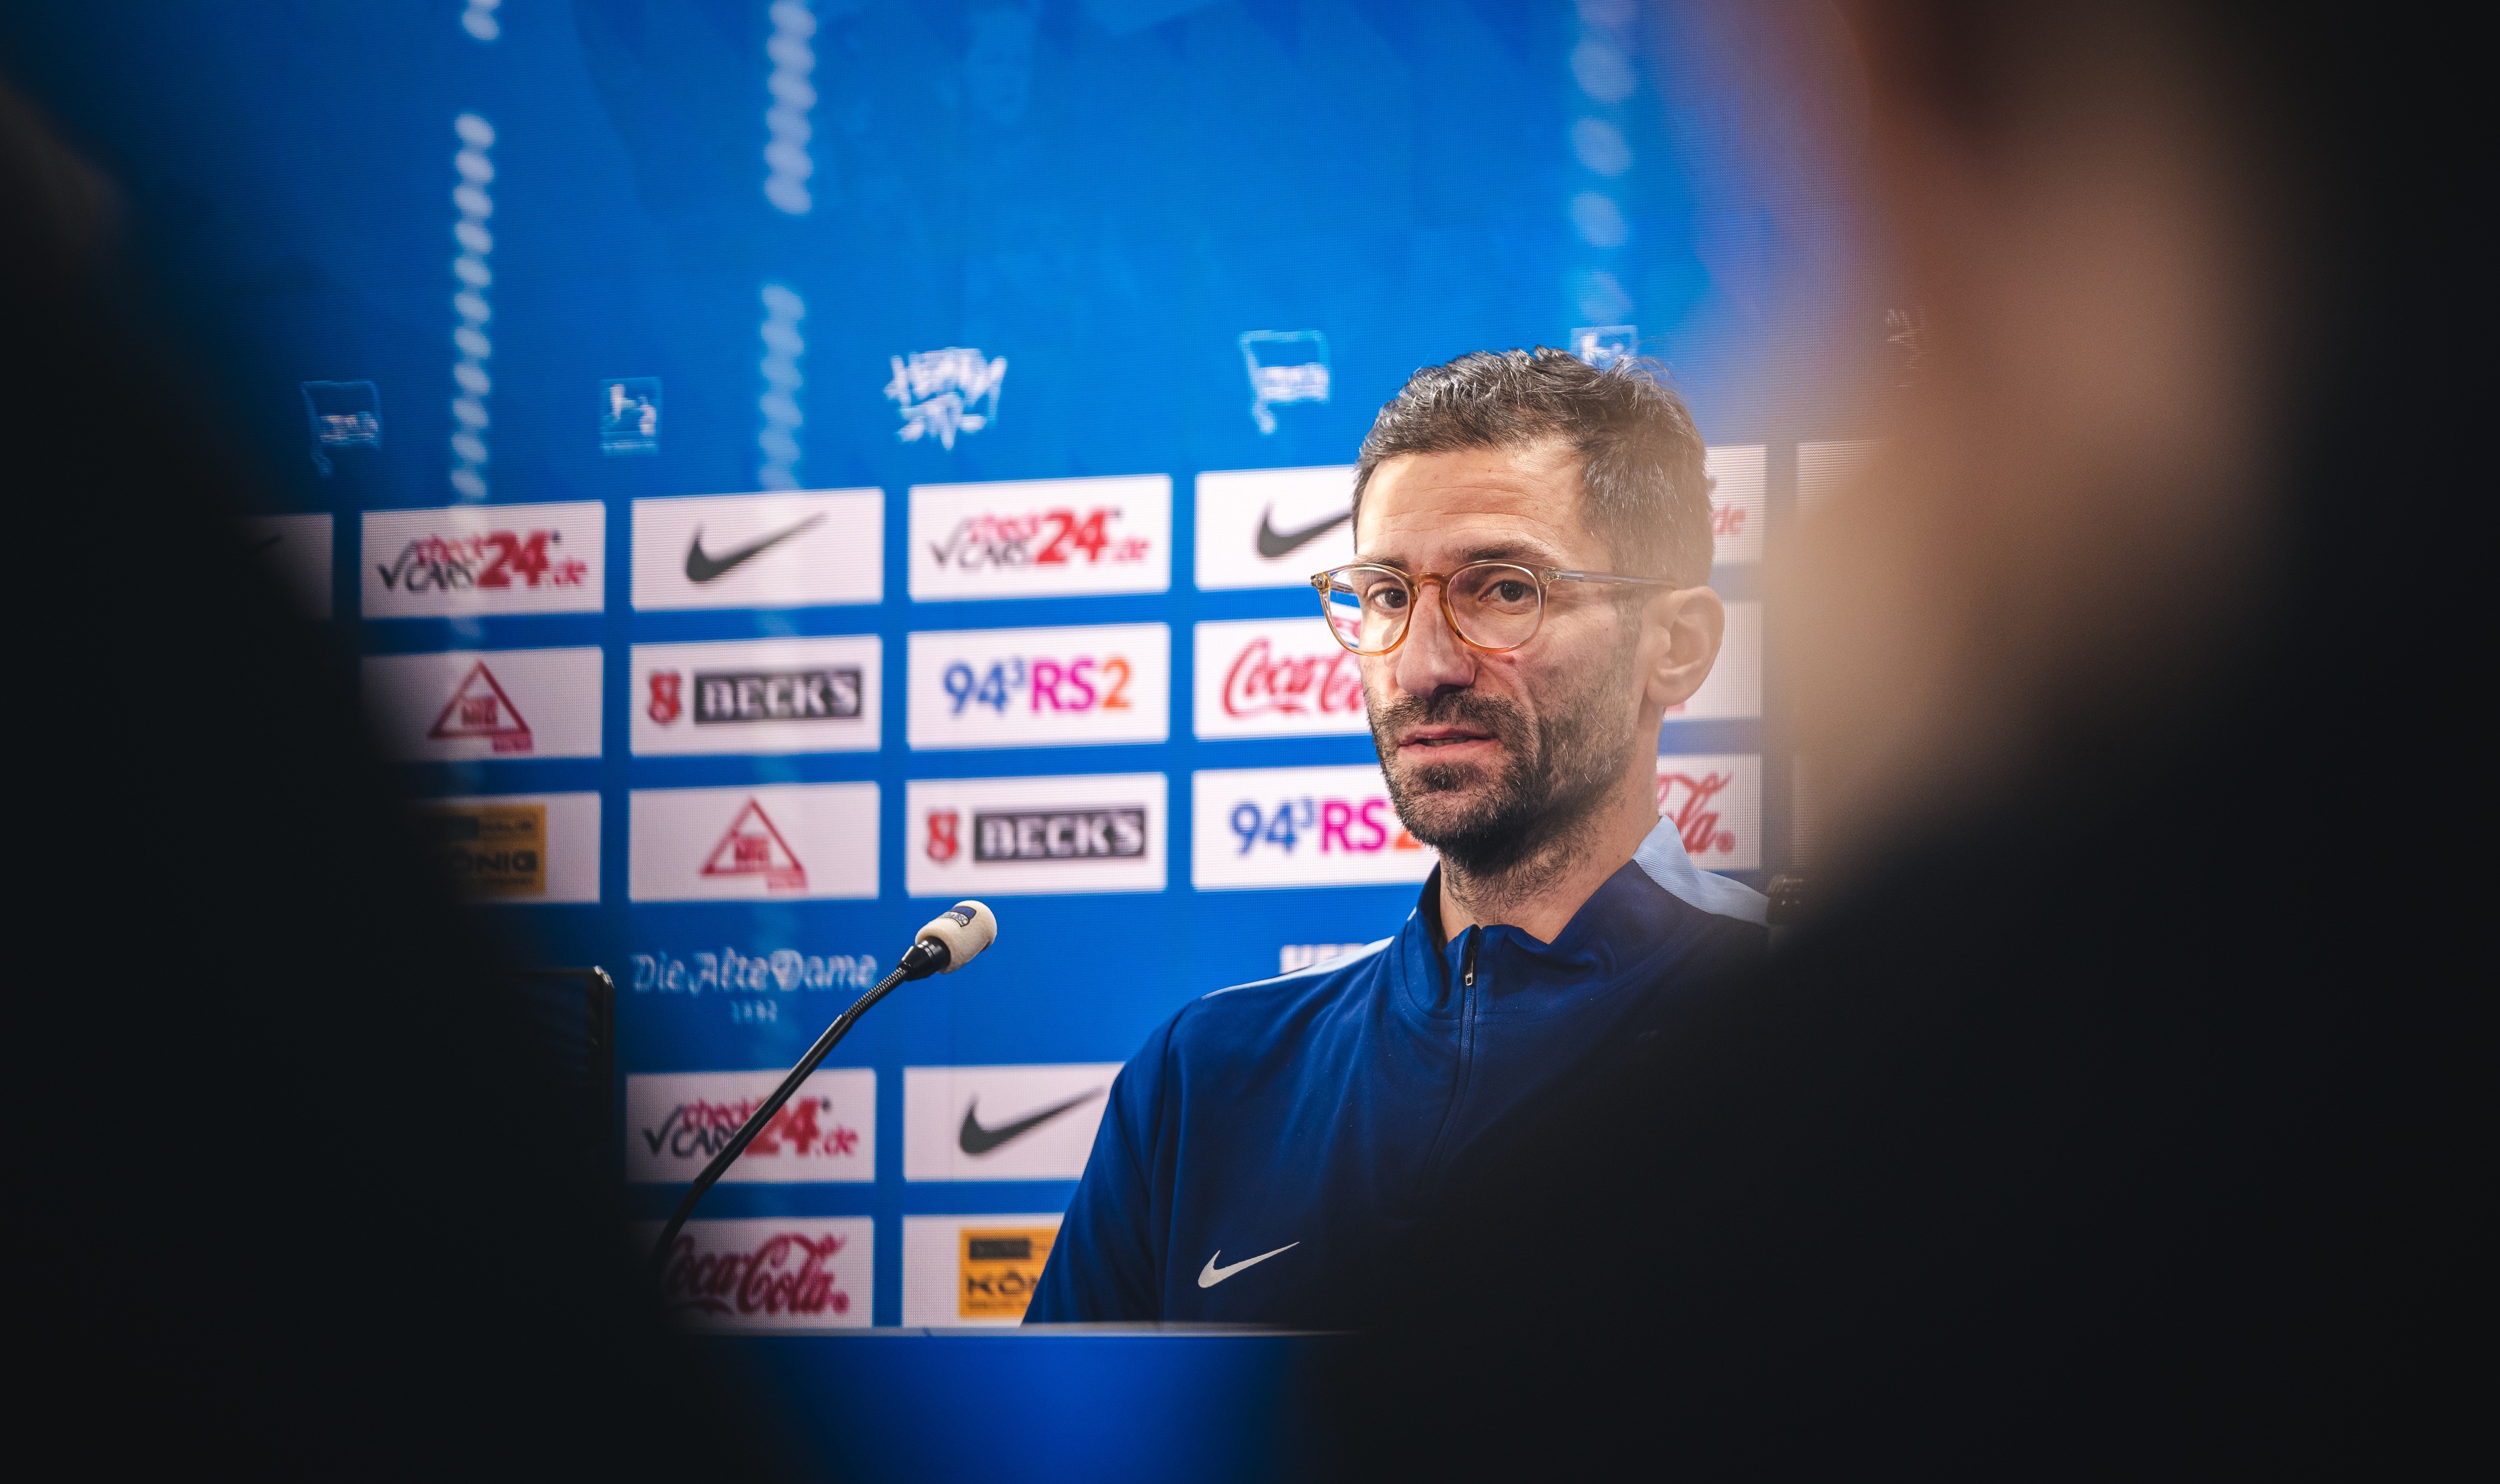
{"points": [[453, 561], [768, 1272], [298, 549], [1273, 527], [759, 842], [1003, 1123], [1716, 803], [1255, 827], [1075, 833], [1041, 537], [1277, 677], [973, 1271], [804, 548], [757, 696], [1734, 686], [1041, 688], [1739, 475], [1827, 469], [676, 1122], [522, 850], [463, 705]]}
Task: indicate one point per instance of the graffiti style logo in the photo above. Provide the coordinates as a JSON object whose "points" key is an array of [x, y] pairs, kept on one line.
{"points": [[479, 708], [699, 1129], [667, 703], [1324, 683], [344, 414], [936, 391], [753, 847], [784, 1276], [489, 561], [1285, 366], [1686, 798]]}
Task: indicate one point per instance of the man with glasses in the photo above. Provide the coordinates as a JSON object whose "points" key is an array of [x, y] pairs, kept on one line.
{"points": [[1529, 598]]}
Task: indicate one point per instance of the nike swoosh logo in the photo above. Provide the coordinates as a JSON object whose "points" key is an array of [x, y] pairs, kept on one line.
{"points": [[1210, 1274], [702, 567], [1275, 544], [972, 1139]]}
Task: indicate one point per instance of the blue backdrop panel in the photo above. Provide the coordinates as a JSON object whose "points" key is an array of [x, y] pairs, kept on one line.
{"points": [[535, 254]]}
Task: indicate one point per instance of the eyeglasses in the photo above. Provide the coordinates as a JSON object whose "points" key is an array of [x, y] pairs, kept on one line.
{"points": [[1491, 606]]}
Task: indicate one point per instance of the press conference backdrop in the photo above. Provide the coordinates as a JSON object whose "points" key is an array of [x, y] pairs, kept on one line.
{"points": [[786, 467]]}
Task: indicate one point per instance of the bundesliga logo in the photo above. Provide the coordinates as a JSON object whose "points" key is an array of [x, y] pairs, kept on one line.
{"points": [[938, 392]]}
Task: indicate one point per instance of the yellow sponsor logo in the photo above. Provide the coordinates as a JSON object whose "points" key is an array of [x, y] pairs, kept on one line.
{"points": [[488, 849], [999, 1269]]}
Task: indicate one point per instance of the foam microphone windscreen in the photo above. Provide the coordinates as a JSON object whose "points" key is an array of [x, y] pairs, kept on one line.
{"points": [[966, 929]]}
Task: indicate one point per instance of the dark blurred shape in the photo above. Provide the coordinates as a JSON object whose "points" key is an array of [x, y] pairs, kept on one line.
{"points": [[296, 1186], [2111, 1111]]}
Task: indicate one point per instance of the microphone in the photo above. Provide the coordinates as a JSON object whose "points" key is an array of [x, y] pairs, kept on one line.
{"points": [[952, 938]]}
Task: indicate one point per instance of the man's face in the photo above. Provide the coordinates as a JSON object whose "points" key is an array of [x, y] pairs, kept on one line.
{"points": [[1490, 755]]}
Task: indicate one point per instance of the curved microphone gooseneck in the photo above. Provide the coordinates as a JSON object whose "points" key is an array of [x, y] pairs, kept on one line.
{"points": [[950, 941]]}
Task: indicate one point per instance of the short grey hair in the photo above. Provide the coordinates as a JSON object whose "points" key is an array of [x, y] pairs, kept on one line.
{"points": [[1644, 492]]}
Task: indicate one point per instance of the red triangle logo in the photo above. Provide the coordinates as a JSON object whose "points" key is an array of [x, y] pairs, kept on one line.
{"points": [[753, 847], [479, 708]]}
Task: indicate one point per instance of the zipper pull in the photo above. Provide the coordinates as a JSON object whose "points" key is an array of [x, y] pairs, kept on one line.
{"points": [[1468, 964]]}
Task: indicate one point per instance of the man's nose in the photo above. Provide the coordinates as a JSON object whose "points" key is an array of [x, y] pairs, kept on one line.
{"points": [[1432, 659]]}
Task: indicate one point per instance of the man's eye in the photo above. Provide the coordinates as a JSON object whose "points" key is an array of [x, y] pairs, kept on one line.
{"points": [[1390, 598], [1509, 591]]}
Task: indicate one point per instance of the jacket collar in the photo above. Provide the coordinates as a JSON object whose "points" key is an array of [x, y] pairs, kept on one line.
{"points": [[1628, 913]]}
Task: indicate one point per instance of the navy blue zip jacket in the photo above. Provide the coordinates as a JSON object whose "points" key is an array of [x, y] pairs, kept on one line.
{"points": [[1270, 1144]]}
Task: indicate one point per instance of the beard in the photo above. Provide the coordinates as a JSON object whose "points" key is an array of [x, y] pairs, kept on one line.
{"points": [[1555, 770]]}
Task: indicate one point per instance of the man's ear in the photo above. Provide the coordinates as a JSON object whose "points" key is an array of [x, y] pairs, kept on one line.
{"points": [[1692, 619]]}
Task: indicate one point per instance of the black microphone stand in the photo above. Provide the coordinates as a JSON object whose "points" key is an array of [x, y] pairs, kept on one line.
{"points": [[921, 960]]}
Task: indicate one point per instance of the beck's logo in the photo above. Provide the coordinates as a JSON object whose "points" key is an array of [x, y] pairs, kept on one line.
{"points": [[753, 847], [479, 708], [771, 695], [702, 567], [1118, 833], [975, 1140], [667, 705]]}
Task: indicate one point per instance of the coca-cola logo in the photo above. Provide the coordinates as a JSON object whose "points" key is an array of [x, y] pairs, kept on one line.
{"points": [[1686, 800], [701, 1128], [784, 1274], [1326, 682]]}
